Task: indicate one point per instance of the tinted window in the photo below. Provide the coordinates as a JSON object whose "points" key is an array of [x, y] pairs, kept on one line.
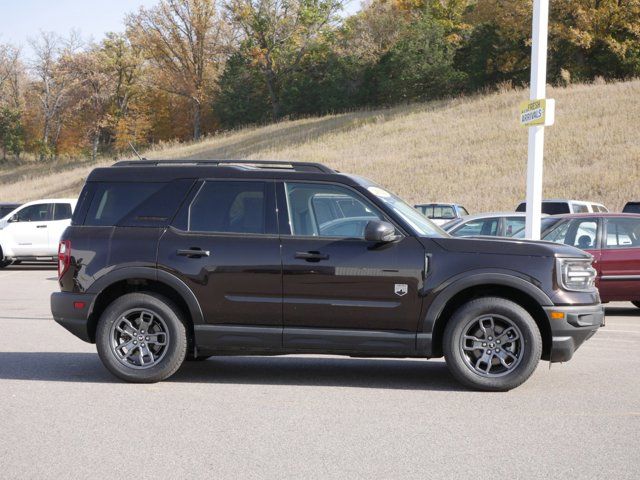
{"points": [[229, 207], [550, 208], [487, 226], [632, 207], [7, 209], [113, 201], [623, 233], [513, 225], [327, 211], [62, 211], [41, 212]]}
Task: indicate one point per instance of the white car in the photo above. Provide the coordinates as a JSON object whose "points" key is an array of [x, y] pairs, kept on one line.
{"points": [[32, 231], [559, 206]]}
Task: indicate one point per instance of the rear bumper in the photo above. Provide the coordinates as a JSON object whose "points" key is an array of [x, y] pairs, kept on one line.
{"points": [[577, 325], [73, 312]]}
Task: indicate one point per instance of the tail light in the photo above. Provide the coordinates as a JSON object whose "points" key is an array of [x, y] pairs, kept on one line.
{"points": [[64, 257]]}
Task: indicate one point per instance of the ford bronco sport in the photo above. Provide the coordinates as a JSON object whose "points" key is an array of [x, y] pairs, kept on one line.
{"points": [[167, 260]]}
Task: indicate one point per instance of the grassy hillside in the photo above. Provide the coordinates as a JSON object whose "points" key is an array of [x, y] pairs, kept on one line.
{"points": [[468, 150]]}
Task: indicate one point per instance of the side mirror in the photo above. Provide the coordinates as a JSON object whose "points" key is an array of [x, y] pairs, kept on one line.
{"points": [[379, 232]]}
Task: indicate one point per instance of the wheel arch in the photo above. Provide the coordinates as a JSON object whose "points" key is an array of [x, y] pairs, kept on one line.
{"points": [[459, 292], [141, 279]]}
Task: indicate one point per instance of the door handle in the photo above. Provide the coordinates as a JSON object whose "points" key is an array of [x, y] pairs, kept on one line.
{"points": [[41, 226], [312, 256], [193, 252]]}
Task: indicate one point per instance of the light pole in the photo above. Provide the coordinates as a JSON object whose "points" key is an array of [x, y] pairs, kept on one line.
{"points": [[540, 29]]}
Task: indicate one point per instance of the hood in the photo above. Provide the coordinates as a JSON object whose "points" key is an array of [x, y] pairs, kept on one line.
{"points": [[505, 246]]}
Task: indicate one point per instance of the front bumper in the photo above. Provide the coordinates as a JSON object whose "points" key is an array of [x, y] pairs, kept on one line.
{"points": [[73, 312], [576, 325]]}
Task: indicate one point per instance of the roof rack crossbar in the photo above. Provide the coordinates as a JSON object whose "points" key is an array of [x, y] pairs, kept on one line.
{"points": [[296, 166]]}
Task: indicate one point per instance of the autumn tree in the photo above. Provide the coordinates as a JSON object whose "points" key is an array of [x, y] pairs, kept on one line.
{"points": [[52, 85], [276, 35], [187, 42]]}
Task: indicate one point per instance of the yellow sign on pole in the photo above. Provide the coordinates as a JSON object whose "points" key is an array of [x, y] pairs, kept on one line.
{"points": [[537, 112]]}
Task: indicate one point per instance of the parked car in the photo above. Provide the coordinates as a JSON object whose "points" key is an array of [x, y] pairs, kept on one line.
{"points": [[164, 262], [614, 241], [7, 208], [555, 207], [631, 207], [441, 213], [32, 231], [496, 224]]}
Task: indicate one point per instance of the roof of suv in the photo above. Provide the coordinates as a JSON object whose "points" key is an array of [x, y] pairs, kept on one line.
{"points": [[166, 170]]}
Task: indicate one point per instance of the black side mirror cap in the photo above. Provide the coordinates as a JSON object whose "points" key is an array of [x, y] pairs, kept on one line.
{"points": [[380, 232]]}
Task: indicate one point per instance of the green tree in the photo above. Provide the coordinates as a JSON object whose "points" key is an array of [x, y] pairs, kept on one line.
{"points": [[277, 34], [419, 66], [11, 132]]}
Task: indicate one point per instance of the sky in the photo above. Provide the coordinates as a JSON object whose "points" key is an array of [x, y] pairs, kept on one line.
{"points": [[22, 19]]}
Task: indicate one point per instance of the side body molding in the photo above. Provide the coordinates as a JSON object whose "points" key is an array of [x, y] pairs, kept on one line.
{"points": [[441, 296], [148, 273]]}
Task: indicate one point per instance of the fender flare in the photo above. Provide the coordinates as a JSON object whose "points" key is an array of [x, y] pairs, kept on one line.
{"points": [[463, 281], [149, 273]]}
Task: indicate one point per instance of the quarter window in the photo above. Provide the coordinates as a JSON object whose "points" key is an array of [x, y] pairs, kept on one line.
{"points": [[513, 225], [317, 210], [229, 207]]}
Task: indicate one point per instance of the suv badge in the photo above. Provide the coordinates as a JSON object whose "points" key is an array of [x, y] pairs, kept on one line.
{"points": [[401, 289]]}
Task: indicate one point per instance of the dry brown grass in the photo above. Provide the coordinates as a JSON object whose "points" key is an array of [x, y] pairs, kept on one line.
{"points": [[467, 150]]}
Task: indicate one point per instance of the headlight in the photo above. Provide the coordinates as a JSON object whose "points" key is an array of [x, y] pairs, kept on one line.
{"points": [[575, 274]]}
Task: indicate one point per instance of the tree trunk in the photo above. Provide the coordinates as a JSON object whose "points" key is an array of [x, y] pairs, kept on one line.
{"points": [[94, 146], [273, 96], [197, 115]]}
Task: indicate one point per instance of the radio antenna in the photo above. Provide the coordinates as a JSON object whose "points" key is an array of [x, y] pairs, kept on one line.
{"points": [[136, 152]]}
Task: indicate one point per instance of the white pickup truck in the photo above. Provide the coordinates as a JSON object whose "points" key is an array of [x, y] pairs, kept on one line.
{"points": [[32, 231]]}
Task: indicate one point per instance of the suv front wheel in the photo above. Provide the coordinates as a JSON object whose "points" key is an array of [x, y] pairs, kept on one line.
{"points": [[492, 344], [141, 338]]}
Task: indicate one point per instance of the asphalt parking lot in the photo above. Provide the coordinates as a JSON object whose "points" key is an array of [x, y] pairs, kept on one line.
{"points": [[64, 416]]}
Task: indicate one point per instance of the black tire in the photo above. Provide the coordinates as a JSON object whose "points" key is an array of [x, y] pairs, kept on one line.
{"points": [[637, 304], [172, 352], [465, 355], [3, 262]]}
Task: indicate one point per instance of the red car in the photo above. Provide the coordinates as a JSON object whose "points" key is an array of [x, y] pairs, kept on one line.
{"points": [[614, 241]]}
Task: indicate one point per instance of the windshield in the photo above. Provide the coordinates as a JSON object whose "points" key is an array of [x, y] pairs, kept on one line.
{"points": [[421, 224]]}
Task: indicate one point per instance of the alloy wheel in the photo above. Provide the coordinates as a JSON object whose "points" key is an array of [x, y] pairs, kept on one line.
{"points": [[139, 338]]}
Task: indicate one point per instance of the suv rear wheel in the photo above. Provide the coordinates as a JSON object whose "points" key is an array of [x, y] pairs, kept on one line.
{"points": [[492, 344], [141, 338]]}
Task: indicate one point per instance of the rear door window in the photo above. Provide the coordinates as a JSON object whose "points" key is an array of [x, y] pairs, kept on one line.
{"points": [[62, 211], [230, 207], [623, 233], [513, 225], [487, 226], [555, 208]]}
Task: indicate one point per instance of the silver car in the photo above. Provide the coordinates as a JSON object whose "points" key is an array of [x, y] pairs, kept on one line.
{"points": [[494, 224]]}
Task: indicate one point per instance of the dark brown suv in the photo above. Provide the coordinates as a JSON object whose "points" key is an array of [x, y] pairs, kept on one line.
{"points": [[172, 260]]}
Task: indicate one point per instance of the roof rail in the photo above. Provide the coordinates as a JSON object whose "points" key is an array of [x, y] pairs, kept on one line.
{"points": [[273, 164]]}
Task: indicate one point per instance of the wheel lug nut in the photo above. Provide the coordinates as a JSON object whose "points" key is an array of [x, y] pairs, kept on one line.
{"points": [[497, 350], [135, 343], [142, 344], [484, 344], [147, 339], [488, 352], [490, 338], [498, 342]]}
